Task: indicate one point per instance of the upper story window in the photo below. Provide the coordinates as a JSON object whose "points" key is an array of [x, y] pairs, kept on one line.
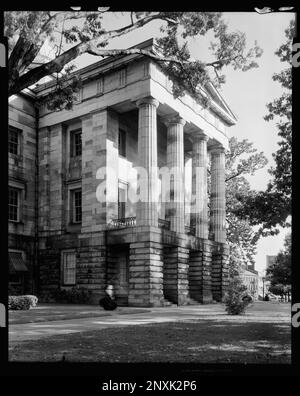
{"points": [[14, 138], [76, 206], [14, 204], [122, 142], [122, 199], [76, 143]]}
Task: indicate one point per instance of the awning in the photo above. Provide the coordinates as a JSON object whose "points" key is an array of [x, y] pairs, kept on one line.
{"points": [[16, 262]]}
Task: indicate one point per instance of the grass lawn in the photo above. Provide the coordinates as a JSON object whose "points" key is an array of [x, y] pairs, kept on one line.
{"points": [[205, 341], [50, 312]]}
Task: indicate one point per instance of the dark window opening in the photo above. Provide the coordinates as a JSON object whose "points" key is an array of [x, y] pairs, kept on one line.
{"points": [[122, 143], [13, 204], [76, 206], [76, 143], [122, 198]]}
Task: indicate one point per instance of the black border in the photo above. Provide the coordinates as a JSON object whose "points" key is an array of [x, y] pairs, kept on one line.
{"points": [[133, 372]]}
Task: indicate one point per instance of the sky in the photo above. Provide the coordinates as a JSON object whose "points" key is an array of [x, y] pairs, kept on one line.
{"points": [[246, 93]]}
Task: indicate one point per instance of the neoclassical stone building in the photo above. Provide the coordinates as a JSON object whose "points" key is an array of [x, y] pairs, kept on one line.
{"points": [[155, 253]]}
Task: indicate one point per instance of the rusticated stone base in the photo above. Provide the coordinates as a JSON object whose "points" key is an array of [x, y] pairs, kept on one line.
{"points": [[220, 274], [91, 271], [145, 274], [175, 275], [148, 266], [200, 284]]}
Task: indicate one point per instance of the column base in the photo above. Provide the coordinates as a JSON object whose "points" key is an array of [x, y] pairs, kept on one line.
{"points": [[145, 275], [200, 284], [220, 272], [175, 275]]}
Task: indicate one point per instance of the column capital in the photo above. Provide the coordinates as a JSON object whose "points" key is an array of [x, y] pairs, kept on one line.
{"points": [[198, 136], [173, 119], [147, 100], [217, 149]]}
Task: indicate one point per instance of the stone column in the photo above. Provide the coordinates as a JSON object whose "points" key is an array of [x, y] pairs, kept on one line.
{"points": [[147, 149], [217, 196], [175, 162], [199, 185]]}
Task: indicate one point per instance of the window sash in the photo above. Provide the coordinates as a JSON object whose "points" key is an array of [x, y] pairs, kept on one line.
{"points": [[122, 143], [69, 268], [76, 143], [122, 199], [13, 204], [13, 141], [76, 206]]}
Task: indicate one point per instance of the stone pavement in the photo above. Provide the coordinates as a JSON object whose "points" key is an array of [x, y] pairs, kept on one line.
{"points": [[264, 312]]}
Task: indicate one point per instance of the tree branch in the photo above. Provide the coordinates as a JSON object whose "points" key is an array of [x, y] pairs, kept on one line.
{"points": [[57, 64], [137, 24], [232, 177], [16, 83], [93, 50]]}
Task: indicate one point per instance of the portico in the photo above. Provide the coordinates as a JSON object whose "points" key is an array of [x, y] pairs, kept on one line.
{"points": [[169, 262]]}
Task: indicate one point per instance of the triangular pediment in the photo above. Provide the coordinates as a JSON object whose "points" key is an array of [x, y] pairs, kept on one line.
{"points": [[218, 99]]}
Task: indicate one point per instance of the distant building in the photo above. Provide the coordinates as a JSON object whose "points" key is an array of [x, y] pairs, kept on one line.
{"points": [[270, 260], [250, 279]]}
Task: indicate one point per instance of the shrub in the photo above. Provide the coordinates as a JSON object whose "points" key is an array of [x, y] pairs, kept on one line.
{"points": [[234, 302], [33, 300], [22, 302], [76, 295]]}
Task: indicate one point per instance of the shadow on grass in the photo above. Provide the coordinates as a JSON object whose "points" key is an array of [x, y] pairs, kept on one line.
{"points": [[206, 341]]}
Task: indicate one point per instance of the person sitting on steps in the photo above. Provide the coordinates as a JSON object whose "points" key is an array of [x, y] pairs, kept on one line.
{"points": [[108, 302]]}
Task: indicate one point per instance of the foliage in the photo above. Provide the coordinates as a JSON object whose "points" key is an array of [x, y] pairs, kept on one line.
{"points": [[75, 295], [272, 207], [234, 302], [241, 160], [73, 33], [33, 300], [280, 289], [22, 302], [280, 273]]}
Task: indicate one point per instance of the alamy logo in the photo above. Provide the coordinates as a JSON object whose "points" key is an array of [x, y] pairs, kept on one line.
{"points": [[296, 56], [2, 55], [153, 185], [2, 316], [296, 316]]}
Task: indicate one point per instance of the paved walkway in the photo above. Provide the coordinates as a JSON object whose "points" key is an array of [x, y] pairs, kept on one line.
{"points": [[264, 312]]}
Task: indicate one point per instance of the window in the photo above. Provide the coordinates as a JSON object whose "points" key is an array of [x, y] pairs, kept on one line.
{"points": [[76, 206], [15, 279], [123, 266], [122, 77], [14, 140], [13, 204], [172, 190], [100, 86], [122, 143], [76, 144], [69, 268], [122, 198]]}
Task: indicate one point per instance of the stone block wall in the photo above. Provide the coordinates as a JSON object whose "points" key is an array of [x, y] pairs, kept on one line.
{"points": [[175, 274], [200, 281], [100, 150], [91, 270], [146, 273], [220, 273]]}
